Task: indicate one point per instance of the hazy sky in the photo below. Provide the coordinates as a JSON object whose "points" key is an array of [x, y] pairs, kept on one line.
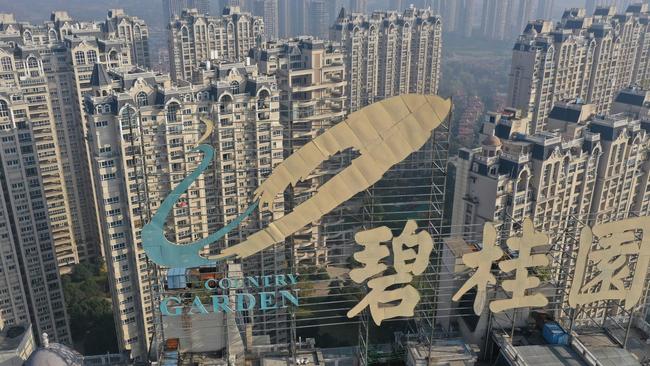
{"points": [[38, 10], [149, 10]]}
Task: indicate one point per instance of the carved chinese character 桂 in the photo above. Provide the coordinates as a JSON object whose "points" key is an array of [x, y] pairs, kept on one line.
{"points": [[482, 262], [526, 259], [521, 284]]}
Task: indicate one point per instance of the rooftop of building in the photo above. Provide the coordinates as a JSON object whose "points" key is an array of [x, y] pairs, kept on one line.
{"points": [[606, 342], [549, 355], [574, 111], [54, 354], [634, 95], [529, 346], [574, 23], [442, 352], [12, 336]]}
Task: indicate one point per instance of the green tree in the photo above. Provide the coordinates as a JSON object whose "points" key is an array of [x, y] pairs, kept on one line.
{"points": [[89, 309]]}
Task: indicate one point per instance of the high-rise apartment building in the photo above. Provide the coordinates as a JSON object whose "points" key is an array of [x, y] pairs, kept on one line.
{"points": [[466, 14], [67, 50], [269, 11], [586, 57], [494, 19], [310, 75], [504, 19], [143, 130], [514, 175], [388, 53], [35, 232], [285, 22], [172, 8], [450, 11], [133, 31], [196, 37], [319, 18], [51, 215], [590, 6], [298, 17], [27, 75], [591, 169], [359, 6], [544, 9]]}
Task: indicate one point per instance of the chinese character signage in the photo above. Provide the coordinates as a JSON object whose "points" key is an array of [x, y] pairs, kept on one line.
{"points": [[612, 264], [623, 250], [411, 252], [612, 258]]}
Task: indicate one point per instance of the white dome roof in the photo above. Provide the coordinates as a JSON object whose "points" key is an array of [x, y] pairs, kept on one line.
{"points": [[55, 355]]}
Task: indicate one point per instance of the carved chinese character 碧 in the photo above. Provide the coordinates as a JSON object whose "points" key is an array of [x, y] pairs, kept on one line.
{"points": [[411, 251]]}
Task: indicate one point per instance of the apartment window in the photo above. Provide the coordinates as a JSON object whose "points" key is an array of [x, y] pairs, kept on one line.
{"points": [[6, 64], [128, 118], [172, 112], [20, 113], [114, 212], [32, 63], [119, 258], [92, 56], [107, 164], [234, 87], [142, 99], [80, 58], [111, 200], [4, 109]]}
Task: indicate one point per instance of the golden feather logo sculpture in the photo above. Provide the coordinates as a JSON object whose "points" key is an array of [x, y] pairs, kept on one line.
{"points": [[384, 133]]}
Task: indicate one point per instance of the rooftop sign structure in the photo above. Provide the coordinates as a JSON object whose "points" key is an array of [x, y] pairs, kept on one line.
{"points": [[384, 133]]}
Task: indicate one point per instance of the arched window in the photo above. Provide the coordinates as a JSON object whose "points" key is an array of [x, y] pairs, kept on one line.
{"points": [[92, 56], [234, 87], [51, 34], [100, 110], [142, 99], [172, 112], [4, 109], [79, 58], [112, 55], [225, 104], [263, 99], [185, 35], [6, 63], [32, 63], [27, 36], [107, 108], [128, 118]]}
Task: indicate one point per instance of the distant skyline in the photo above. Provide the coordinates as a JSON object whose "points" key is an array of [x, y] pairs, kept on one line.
{"points": [[149, 10]]}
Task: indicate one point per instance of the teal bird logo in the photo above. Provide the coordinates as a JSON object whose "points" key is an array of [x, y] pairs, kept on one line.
{"points": [[384, 133]]}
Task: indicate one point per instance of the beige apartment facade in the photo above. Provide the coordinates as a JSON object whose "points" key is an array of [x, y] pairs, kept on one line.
{"points": [[143, 129], [196, 37], [389, 53], [585, 56]]}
